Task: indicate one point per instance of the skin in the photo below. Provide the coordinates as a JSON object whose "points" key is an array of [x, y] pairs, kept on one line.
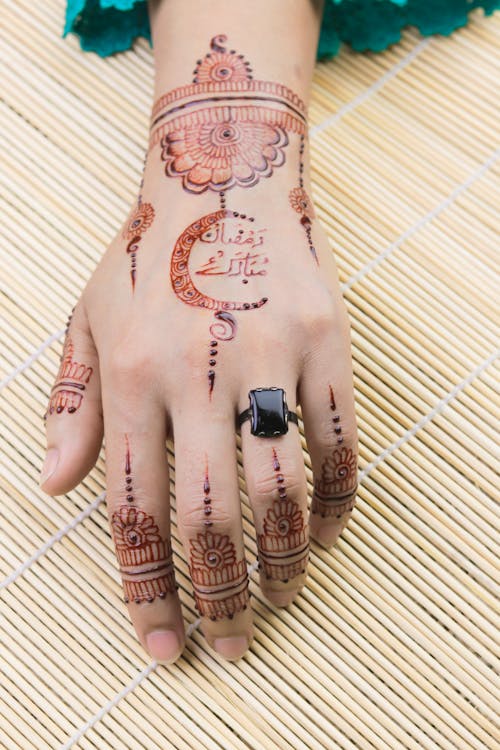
{"points": [[149, 351]]}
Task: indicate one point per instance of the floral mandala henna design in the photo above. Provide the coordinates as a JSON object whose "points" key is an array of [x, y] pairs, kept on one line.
{"points": [[335, 491], [145, 559], [226, 128], [284, 546], [141, 220], [220, 581], [72, 379]]}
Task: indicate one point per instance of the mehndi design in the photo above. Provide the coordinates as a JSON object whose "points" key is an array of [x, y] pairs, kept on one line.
{"points": [[284, 545], [71, 381], [335, 491], [145, 558], [220, 580], [224, 130]]}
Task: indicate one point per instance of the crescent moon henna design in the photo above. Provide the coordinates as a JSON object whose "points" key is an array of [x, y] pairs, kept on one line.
{"points": [[226, 128], [71, 381], [138, 224], [284, 545], [180, 276], [220, 580]]}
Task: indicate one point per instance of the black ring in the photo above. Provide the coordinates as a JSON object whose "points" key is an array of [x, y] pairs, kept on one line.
{"points": [[268, 412]]}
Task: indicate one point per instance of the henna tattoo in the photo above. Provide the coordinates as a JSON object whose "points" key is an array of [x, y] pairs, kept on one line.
{"points": [[335, 492], [128, 473], [71, 381], [182, 283], [302, 204], [146, 562], [212, 362], [220, 580], [210, 231], [138, 224], [284, 545], [225, 326], [145, 559], [225, 129]]}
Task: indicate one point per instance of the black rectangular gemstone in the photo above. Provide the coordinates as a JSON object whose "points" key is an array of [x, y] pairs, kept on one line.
{"points": [[269, 412]]}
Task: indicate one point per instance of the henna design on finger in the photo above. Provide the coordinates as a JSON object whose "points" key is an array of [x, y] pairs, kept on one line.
{"points": [[302, 204], [226, 129], [284, 545], [335, 492], [145, 559], [220, 580], [128, 473], [71, 381]]}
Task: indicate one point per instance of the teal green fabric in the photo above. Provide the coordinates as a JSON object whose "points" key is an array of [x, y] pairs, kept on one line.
{"points": [[109, 26]]}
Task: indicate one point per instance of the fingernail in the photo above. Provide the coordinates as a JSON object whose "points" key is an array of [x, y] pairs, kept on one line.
{"points": [[163, 645], [231, 648], [49, 465]]}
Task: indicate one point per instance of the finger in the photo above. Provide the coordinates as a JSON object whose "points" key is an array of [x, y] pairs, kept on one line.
{"points": [[74, 413], [138, 500], [327, 400], [277, 490], [210, 525]]}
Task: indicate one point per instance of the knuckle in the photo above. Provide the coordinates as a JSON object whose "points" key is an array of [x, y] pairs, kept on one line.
{"points": [[192, 520], [319, 318], [266, 489], [129, 364]]}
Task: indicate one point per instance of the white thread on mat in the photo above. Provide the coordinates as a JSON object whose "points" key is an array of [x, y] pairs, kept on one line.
{"points": [[430, 415], [361, 98], [458, 190], [53, 539], [253, 566], [28, 362]]}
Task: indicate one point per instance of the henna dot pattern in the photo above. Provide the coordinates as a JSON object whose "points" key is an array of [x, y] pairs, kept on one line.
{"points": [[302, 204], [128, 473], [220, 580], [140, 221], [284, 545], [71, 381], [335, 491]]}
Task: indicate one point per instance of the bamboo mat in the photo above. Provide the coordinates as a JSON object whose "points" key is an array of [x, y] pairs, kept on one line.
{"points": [[394, 642]]}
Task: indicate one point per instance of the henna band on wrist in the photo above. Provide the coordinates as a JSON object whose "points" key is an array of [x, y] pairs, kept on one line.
{"points": [[268, 412]]}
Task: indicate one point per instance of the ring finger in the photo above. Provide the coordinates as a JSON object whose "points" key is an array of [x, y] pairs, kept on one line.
{"points": [[277, 489]]}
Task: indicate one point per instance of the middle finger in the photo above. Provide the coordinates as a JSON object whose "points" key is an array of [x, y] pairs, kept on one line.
{"points": [[210, 525]]}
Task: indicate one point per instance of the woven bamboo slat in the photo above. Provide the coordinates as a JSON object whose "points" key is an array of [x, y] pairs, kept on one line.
{"points": [[394, 643]]}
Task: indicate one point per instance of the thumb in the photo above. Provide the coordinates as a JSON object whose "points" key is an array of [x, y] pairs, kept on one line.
{"points": [[74, 422]]}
